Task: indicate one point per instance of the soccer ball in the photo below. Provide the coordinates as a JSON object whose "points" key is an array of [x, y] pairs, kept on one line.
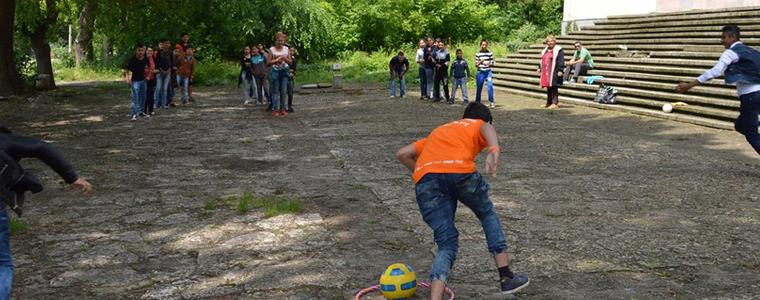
{"points": [[667, 108], [399, 281]]}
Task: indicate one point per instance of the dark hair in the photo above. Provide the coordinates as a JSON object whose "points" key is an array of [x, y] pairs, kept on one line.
{"points": [[184, 34], [579, 43], [5, 129], [483, 40], [459, 50], [401, 53], [164, 39], [479, 111], [732, 30], [140, 45]]}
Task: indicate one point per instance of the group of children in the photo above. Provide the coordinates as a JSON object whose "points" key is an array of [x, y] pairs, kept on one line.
{"points": [[435, 68], [269, 73], [154, 74]]}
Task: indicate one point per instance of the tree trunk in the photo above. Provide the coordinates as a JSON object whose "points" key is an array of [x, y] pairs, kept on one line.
{"points": [[84, 37], [41, 49], [106, 50], [10, 82]]}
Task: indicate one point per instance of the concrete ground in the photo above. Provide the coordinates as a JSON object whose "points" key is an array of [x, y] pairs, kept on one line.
{"points": [[596, 204]]}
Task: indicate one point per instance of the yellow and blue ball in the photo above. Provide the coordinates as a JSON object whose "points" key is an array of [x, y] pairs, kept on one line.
{"points": [[399, 281]]}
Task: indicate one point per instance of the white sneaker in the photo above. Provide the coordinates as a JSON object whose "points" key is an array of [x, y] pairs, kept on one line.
{"points": [[393, 96], [134, 118], [492, 105], [247, 102]]}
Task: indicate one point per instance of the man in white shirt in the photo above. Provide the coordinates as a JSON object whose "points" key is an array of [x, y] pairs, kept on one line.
{"points": [[741, 66], [420, 58]]}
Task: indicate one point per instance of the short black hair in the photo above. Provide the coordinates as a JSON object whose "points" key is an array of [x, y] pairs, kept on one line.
{"points": [[476, 110], [184, 34], [459, 50], [164, 39], [732, 29], [140, 45], [400, 53], [5, 129]]}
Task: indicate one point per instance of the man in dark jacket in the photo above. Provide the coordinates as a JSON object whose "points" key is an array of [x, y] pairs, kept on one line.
{"points": [[15, 181]]}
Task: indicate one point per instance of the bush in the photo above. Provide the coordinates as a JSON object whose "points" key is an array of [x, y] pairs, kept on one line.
{"points": [[524, 36], [215, 72]]}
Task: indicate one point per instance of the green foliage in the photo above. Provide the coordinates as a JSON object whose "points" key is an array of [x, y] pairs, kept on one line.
{"points": [[525, 35], [17, 226], [87, 73], [274, 206], [215, 72], [244, 203]]}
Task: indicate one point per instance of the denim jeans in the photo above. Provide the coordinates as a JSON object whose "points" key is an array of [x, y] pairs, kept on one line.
{"points": [[402, 85], [162, 91], [139, 93], [487, 78], [6, 262], [183, 82], [248, 87], [423, 82], [278, 80], [437, 196], [747, 121], [461, 82], [429, 72]]}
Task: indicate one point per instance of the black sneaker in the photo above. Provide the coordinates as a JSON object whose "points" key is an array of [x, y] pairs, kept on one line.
{"points": [[290, 109], [514, 284]]}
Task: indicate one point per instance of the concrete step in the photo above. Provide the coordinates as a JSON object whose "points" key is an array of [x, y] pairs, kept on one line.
{"points": [[707, 56], [632, 47], [632, 90], [626, 41], [625, 65], [667, 24], [632, 60], [658, 18], [585, 38], [680, 117], [702, 12], [714, 29]]}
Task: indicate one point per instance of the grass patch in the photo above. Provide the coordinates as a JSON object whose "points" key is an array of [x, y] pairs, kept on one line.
{"points": [[17, 226], [87, 74], [244, 203], [275, 206]]}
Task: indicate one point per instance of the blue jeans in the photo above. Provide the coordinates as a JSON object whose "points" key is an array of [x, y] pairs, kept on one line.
{"points": [[139, 93], [402, 86], [183, 82], [6, 262], [162, 91], [278, 81], [437, 196], [461, 82], [747, 121], [423, 82], [484, 76], [429, 72]]}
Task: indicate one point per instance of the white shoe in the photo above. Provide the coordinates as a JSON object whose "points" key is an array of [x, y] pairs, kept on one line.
{"points": [[393, 96], [492, 105], [134, 118], [247, 102]]}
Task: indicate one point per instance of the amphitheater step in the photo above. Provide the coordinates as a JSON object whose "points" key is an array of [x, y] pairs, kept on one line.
{"points": [[660, 18], [714, 29], [625, 108]]}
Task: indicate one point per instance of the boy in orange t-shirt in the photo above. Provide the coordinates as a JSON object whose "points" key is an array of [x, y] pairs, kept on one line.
{"points": [[444, 173]]}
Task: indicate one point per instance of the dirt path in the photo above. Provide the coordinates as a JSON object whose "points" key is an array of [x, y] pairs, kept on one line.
{"points": [[597, 204]]}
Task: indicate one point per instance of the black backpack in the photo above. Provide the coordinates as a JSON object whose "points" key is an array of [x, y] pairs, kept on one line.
{"points": [[14, 182], [606, 95]]}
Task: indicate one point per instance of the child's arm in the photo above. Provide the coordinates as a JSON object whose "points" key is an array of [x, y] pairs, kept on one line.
{"points": [[407, 155], [492, 160]]}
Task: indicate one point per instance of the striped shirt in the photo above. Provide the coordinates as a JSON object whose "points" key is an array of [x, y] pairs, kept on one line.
{"points": [[484, 60]]}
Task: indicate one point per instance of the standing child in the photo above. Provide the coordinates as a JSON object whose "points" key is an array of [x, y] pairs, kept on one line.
{"points": [[398, 66], [429, 67], [460, 71], [186, 72], [134, 73], [259, 66], [420, 58], [484, 61], [442, 59], [150, 78], [291, 82], [176, 56], [246, 76], [164, 65], [279, 61]]}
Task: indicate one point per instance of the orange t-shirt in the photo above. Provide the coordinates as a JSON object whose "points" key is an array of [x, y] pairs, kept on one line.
{"points": [[450, 148]]}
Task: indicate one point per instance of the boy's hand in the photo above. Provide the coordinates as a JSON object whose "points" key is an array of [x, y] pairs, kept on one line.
{"points": [[83, 185]]}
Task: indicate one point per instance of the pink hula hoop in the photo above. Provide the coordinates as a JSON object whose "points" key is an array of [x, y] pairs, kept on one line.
{"points": [[376, 288]]}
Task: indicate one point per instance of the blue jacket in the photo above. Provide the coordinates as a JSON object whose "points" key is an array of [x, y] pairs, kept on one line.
{"points": [[460, 69], [747, 69]]}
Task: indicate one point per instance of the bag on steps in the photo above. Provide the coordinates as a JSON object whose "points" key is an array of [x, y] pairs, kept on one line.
{"points": [[606, 95]]}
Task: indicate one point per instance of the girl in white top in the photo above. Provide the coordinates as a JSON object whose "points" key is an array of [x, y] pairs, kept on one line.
{"points": [[279, 60]]}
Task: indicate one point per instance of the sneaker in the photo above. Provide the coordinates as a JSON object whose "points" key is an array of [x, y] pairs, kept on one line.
{"points": [[290, 109], [134, 118], [172, 104], [566, 82], [492, 105], [247, 102], [276, 113], [514, 284], [283, 112], [553, 106], [403, 96], [393, 96], [142, 114], [153, 113]]}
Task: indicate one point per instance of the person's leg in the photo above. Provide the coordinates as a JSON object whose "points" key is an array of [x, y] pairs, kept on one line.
{"points": [[567, 72], [437, 87], [582, 71], [446, 87], [284, 78], [464, 90], [423, 82], [548, 97], [246, 85], [150, 96], [290, 93], [157, 90], [555, 95], [164, 91], [6, 261], [143, 94], [438, 208], [457, 82], [135, 88], [170, 91], [402, 86], [489, 81], [479, 78], [747, 121], [393, 87], [429, 77], [183, 83], [274, 79], [259, 89]]}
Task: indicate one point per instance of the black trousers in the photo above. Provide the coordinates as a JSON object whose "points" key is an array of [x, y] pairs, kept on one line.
{"points": [[552, 95], [149, 96], [440, 77]]}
